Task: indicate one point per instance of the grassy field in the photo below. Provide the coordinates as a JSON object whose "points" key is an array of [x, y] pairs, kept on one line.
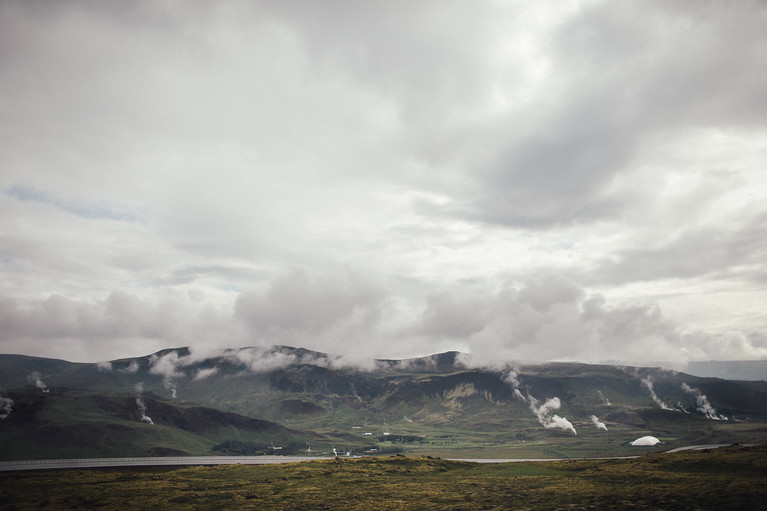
{"points": [[727, 478]]}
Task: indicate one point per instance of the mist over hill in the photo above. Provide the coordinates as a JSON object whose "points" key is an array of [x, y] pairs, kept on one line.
{"points": [[279, 399]]}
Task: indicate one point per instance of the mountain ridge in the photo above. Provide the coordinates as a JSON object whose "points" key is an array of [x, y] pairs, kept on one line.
{"points": [[437, 403]]}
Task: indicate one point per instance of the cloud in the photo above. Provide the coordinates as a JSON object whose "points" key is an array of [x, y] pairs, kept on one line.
{"points": [[717, 251], [623, 73], [167, 365], [264, 359], [83, 210], [571, 182], [205, 372], [83, 330], [131, 368], [548, 317], [297, 306]]}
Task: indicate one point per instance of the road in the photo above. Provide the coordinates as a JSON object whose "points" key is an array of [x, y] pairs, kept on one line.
{"points": [[8, 466], [177, 461], [702, 447]]}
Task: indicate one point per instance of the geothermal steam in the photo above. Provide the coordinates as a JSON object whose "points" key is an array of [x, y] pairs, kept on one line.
{"points": [[647, 383], [704, 406], [542, 412], [141, 406], [597, 423], [512, 378], [6, 405], [35, 379]]}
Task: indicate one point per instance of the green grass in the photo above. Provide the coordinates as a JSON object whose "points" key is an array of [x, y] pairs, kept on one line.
{"points": [[729, 478]]}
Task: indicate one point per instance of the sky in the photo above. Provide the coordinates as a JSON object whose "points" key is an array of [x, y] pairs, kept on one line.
{"points": [[516, 180]]}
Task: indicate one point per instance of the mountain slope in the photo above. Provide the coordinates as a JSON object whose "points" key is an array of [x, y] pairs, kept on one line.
{"points": [[76, 423], [250, 398]]}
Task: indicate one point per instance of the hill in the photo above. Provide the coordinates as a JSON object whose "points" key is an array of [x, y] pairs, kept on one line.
{"points": [[248, 400]]}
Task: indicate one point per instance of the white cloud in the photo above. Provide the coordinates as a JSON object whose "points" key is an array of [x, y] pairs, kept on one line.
{"points": [[570, 180]]}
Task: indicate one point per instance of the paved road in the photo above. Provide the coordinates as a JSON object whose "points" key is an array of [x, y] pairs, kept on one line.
{"points": [[176, 461], [502, 460], [7, 466], [519, 460], [702, 447], [552, 452], [549, 451]]}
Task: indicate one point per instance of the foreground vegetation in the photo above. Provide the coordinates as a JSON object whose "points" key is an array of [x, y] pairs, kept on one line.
{"points": [[726, 478]]}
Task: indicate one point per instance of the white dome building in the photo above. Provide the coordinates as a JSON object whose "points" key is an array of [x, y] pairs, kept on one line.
{"points": [[645, 441]]}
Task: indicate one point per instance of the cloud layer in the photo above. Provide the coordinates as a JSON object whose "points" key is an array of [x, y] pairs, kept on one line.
{"points": [[571, 181]]}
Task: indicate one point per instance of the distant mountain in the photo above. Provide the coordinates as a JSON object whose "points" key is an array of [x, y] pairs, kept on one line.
{"points": [[743, 370], [249, 400]]}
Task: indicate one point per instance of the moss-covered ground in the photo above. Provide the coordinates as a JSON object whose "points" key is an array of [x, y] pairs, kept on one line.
{"points": [[726, 478]]}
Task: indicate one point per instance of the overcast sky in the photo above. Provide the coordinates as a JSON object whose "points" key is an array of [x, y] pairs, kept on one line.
{"points": [[563, 180]]}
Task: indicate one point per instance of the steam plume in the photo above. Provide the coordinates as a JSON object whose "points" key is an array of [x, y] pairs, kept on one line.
{"points": [[172, 387], [131, 368], [141, 406], [597, 423], [647, 383], [6, 404], [104, 367], [512, 378], [703, 405], [35, 379], [604, 399], [354, 391], [168, 367], [543, 414], [203, 373]]}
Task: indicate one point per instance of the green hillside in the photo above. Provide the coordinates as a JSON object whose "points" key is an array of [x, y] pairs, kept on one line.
{"points": [[67, 423], [251, 400]]}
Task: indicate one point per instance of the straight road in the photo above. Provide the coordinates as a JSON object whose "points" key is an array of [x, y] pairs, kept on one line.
{"points": [[178, 461], [703, 447], [8, 466]]}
